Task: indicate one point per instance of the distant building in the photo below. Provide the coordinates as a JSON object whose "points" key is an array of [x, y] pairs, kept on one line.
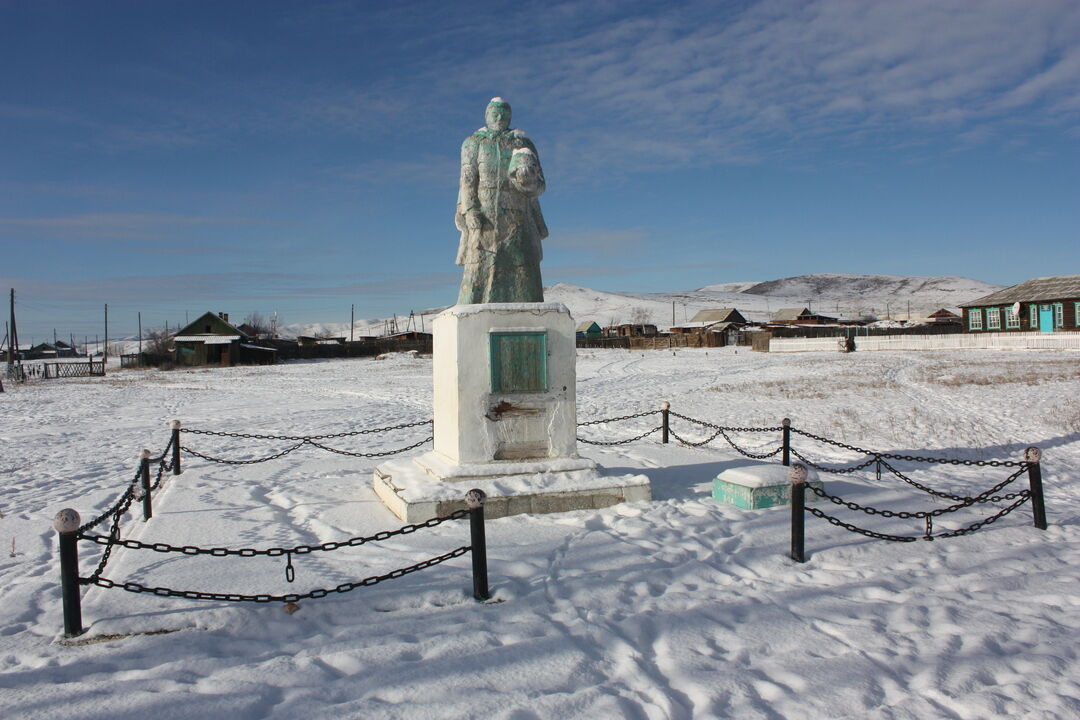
{"points": [[211, 340], [721, 326], [1045, 304], [631, 330], [800, 316], [944, 317], [589, 329]]}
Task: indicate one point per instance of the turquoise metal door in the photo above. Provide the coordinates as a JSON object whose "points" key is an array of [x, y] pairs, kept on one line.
{"points": [[1046, 318]]}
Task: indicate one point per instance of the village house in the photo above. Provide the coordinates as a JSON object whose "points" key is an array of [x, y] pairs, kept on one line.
{"points": [[1045, 304], [724, 325], [631, 330], [211, 340], [589, 329], [800, 316]]}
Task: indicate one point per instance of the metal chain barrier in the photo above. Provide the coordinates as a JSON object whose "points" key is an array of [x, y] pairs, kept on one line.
{"points": [[1022, 496], [722, 431], [110, 540], [619, 419], [295, 597], [909, 458], [306, 440]]}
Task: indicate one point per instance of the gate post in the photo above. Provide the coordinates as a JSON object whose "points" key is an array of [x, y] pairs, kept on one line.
{"points": [[175, 425], [144, 473], [66, 524], [787, 442], [475, 499], [1033, 456], [665, 412], [797, 474]]}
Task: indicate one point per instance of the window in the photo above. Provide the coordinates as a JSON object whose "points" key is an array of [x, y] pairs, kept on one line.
{"points": [[1012, 320], [1059, 315], [1034, 318], [975, 319], [1076, 314], [993, 318], [519, 362]]}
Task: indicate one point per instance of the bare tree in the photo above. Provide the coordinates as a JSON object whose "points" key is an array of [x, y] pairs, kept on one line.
{"points": [[157, 342], [259, 325], [641, 317]]}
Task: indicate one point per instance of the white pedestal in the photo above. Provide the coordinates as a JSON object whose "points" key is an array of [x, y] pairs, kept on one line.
{"points": [[505, 420]]}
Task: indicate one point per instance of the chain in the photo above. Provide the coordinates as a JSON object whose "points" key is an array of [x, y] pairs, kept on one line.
{"points": [[1022, 496], [836, 471], [727, 428], [911, 458], [909, 481], [619, 419], [113, 540], [230, 597], [988, 496], [620, 442], [306, 438]]}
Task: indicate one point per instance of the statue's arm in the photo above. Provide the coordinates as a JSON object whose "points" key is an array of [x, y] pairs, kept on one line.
{"points": [[468, 195], [529, 179]]}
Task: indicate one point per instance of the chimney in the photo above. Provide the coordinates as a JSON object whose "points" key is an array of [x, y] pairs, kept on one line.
{"points": [[225, 317]]}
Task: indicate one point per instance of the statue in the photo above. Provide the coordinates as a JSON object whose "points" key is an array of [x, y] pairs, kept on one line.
{"points": [[498, 213]]}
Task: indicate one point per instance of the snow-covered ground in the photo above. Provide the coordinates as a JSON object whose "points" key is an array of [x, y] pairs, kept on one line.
{"points": [[674, 608]]}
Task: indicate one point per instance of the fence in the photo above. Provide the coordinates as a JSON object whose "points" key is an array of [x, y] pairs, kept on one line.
{"points": [[954, 341], [67, 522], [141, 488], [54, 370], [879, 460]]}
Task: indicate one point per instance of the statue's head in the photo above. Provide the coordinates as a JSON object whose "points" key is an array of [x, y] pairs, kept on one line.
{"points": [[497, 115]]}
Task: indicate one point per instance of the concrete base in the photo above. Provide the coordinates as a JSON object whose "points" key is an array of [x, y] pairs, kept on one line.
{"points": [[414, 491], [759, 485]]}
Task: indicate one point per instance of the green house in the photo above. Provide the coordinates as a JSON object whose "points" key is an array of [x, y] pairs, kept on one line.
{"points": [[589, 329]]}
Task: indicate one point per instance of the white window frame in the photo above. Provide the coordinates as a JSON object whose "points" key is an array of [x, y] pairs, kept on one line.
{"points": [[975, 319], [1012, 319], [993, 318], [1076, 314], [1059, 315], [1033, 308]]}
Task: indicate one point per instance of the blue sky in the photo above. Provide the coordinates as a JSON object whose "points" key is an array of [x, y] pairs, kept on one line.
{"points": [[178, 157]]}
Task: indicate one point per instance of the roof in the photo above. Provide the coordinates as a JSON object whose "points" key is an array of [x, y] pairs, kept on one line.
{"points": [[1059, 287], [789, 314], [586, 325], [208, 339], [943, 313], [718, 315], [216, 324]]}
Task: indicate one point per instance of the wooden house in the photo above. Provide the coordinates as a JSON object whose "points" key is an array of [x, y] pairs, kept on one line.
{"points": [[212, 340], [589, 329], [1045, 304], [944, 317], [800, 316], [631, 330]]}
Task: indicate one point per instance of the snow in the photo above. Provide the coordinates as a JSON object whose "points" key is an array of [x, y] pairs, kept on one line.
{"points": [[759, 475], [674, 608]]}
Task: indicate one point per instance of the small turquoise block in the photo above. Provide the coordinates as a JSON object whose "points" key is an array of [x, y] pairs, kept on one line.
{"points": [[758, 486]]}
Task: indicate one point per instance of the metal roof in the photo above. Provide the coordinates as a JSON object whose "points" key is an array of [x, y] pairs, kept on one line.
{"points": [[1059, 287], [789, 314], [714, 315]]}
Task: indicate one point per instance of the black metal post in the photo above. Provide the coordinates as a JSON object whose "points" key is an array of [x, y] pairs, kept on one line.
{"points": [[144, 472], [787, 442], [475, 499], [797, 473], [665, 412], [175, 447], [66, 524], [1033, 456]]}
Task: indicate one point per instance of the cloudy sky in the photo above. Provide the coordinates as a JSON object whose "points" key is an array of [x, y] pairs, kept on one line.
{"points": [[178, 157]]}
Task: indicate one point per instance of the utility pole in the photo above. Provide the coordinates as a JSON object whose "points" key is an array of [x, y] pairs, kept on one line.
{"points": [[13, 334], [54, 337], [352, 320], [105, 354], [672, 312], [140, 335]]}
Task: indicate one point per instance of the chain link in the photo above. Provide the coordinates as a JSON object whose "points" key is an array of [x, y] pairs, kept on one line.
{"points": [[620, 442], [1022, 496], [306, 438], [231, 597], [647, 413], [113, 540], [987, 496], [911, 458]]}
